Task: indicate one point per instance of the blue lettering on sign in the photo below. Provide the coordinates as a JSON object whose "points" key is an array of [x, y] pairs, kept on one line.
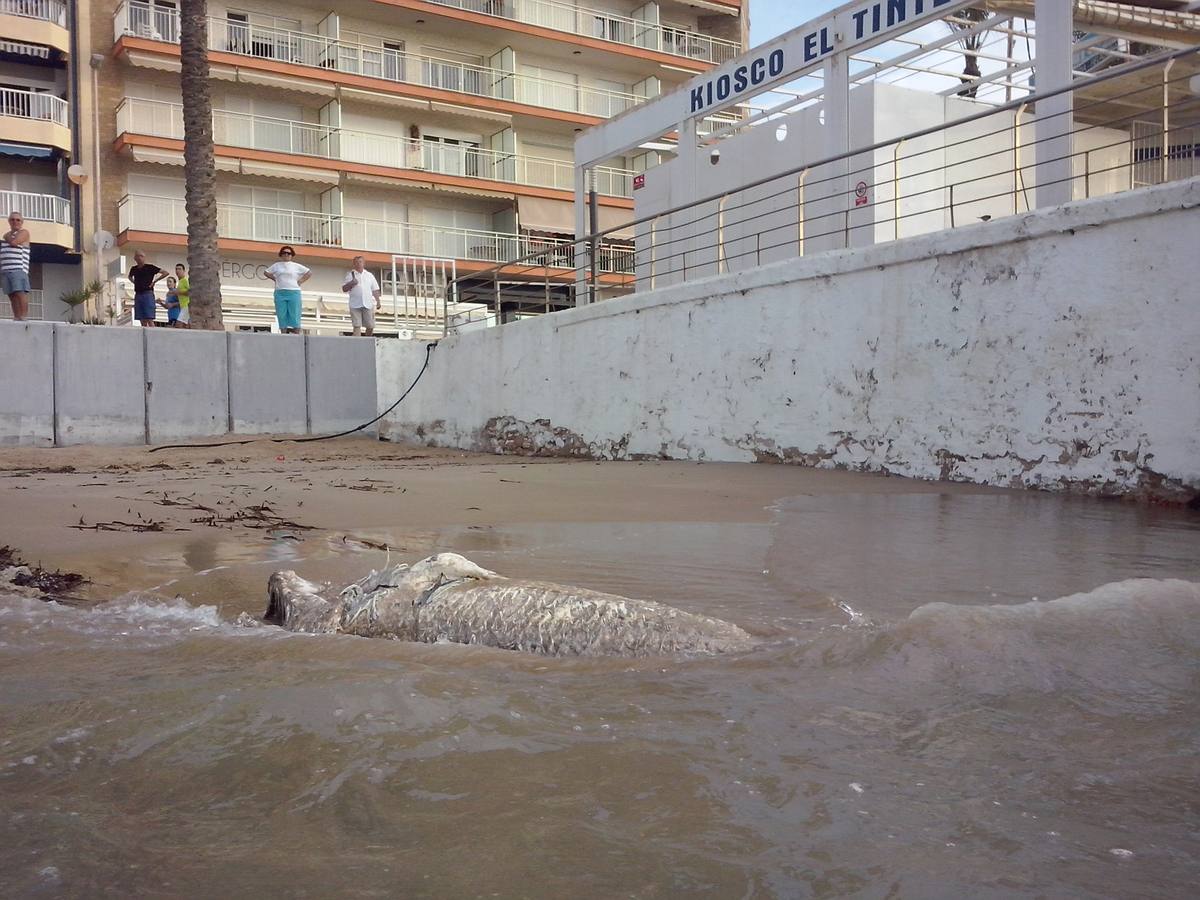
{"points": [[871, 19], [753, 74]]}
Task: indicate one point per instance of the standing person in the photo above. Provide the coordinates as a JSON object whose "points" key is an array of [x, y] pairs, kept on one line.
{"points": [[362, 288], [183, 290], [288, 275], [171, 304], [14, 266], [145, 276]]}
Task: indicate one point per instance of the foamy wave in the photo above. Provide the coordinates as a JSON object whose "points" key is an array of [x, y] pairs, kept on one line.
{"points": [[1132, 637], [133, 614]]}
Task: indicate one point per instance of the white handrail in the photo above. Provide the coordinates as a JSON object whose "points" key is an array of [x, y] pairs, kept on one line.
{"points": [[141, 212], [604, 25], [28, 104], [139, 19], [37, 207], [54, 11], [236, 129]]}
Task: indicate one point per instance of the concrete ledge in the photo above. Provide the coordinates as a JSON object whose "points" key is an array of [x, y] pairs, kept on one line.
{"points": [[27, 384], [267, 391], [187, 388], [100, 381], [341, 383]]}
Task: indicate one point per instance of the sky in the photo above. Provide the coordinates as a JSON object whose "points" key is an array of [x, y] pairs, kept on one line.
{"points": [[769, 18]]}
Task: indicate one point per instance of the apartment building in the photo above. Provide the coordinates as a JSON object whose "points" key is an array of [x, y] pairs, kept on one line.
{"points": [[43, 130], [428, 128]]}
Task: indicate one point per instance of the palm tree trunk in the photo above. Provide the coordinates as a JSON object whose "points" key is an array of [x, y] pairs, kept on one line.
{"points": [[200, 183]]}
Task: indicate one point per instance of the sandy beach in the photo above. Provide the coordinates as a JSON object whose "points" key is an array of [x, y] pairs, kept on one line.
{"points": [[877, 739], [103, 511]]}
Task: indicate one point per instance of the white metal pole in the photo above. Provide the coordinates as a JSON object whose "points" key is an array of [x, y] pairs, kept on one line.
{"points": [[1055, 22]]}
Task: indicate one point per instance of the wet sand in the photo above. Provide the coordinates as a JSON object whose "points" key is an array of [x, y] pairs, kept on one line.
{"points": [[100, 510], [914, 722]]}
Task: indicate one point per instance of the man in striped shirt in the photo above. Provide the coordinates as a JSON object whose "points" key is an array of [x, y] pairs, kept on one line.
{"points": [[14, 265]]}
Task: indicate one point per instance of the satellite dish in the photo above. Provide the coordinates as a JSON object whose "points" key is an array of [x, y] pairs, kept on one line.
{"points": [[405, 334], [76, 174], [103, 240]]}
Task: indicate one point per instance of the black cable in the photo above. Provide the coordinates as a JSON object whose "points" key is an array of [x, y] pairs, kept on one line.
{"points": [[321, 437]]}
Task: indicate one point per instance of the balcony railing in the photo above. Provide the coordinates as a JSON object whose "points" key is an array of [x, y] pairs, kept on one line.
{"points": [[234, 129], [288, 226], [317, 51], [54, 11], [36, 310], [37, 208], [32, 105], [604, 25]]}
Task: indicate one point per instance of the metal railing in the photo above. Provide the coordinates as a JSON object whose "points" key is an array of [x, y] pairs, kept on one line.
{"points": [[978, 168], [604, 25], [37, 207], [23, 104], [53, 11], [234, 129], [36, 309], [318, 51], [166, 215]]}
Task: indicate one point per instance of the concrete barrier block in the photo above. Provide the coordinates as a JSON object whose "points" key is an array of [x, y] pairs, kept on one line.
{"points": [[27, 384], [187, 387], [266, 384], [100, 385], [341, 383]]}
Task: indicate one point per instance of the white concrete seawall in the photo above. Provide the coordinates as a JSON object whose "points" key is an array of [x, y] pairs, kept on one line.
{"points": [[73, 384], [1058, 349]]}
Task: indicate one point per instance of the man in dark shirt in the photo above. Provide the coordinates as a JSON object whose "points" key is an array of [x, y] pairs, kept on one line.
{"points": [[144, 277]]}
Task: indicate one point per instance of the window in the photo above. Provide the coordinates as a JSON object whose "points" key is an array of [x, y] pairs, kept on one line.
{"points": [[450, 156], [455, 71], [155, 19], [237, 36]]}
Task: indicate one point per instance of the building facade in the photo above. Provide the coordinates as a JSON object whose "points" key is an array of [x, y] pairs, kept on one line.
{"points": [[426, 128], [45, 96]]}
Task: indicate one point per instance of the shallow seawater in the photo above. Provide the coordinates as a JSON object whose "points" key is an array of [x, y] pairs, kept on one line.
{"points": [[937, 734]]}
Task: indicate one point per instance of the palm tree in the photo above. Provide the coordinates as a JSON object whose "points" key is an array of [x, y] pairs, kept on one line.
{"points": [[200, 183], [964, 21]]}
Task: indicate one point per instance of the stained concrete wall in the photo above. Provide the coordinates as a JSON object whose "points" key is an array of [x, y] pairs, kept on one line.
{"points": [[268, 387], [1058, 349], [341, 383], [187, 384], [27, 384], [99, 378], [71, 384]]}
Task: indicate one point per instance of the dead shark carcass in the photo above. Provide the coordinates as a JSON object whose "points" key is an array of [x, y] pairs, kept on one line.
{"points": [[449, 598]]}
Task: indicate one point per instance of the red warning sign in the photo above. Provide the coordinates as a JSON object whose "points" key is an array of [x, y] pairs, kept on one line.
{"points": [[639, 181], [860, 194]]}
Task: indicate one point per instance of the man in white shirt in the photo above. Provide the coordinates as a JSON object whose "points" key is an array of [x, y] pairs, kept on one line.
{"points": [[362, 288]]}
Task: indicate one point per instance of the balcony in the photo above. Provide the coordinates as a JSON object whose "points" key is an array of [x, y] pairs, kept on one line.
{"points": [[36, 310], [603, 25], [47, 217], [164, 215], [39, 22], [324, 54], [233, 129], [29, 117]]}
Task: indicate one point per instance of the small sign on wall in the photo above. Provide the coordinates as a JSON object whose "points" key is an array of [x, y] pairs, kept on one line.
{"points": [[860, 194], [639, 181]]}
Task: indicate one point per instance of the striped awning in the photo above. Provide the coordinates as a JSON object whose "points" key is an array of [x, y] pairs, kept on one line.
{"points": [[22, 49]]}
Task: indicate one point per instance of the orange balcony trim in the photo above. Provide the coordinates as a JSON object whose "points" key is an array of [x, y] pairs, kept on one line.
{"points": [[127, 139], [551, 34], [307, 252], [381, 85]]}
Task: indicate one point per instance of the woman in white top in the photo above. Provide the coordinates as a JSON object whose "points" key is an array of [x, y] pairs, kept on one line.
{"points": [[288, 275]]}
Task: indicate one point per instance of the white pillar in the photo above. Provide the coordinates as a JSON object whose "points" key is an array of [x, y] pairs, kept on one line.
{"points": [[827, 188], [1052, 65], [581, 230]]}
